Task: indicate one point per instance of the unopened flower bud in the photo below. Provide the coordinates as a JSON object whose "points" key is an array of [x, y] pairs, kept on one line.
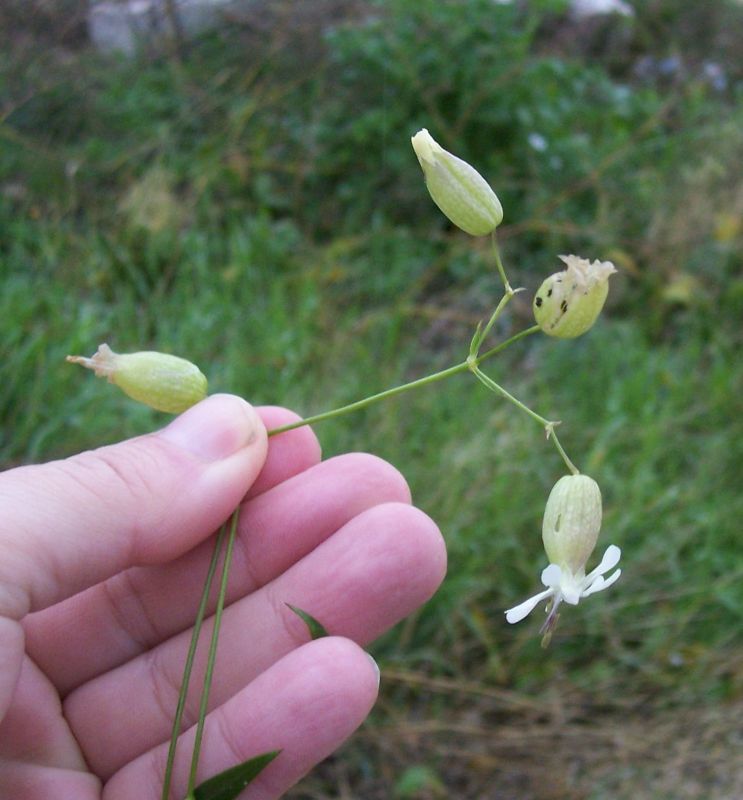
{"points": [[458, 189], [572, 521], [161, 381], [569, 302]]}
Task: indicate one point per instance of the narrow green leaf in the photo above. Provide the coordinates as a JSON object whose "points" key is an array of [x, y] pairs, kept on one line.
{"points": [[317, 631], [227, 785], [476, 340]]}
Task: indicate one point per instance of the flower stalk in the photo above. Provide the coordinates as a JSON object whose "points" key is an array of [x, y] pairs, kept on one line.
{"points": [[212, 657], [188, 666], [469, 365]]}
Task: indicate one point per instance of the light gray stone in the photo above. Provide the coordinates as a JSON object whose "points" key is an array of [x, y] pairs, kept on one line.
{"points": [[128, 25], [580, 9]]}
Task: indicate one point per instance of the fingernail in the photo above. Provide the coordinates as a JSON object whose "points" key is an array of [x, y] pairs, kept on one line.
{"points": [[215, 428], [376, 669]]}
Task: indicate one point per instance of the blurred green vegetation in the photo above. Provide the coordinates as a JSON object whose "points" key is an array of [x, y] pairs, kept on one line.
{"points": [[256, 207]]}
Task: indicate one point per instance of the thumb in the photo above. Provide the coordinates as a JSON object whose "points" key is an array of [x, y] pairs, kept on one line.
{"points": [[70, 524]]}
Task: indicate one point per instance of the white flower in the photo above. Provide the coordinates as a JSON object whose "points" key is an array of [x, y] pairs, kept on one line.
{"points": [[569, 586], [570, 528]]}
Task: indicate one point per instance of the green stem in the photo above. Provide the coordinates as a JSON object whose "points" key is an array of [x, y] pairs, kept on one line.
{"points": [[499, 264], [375, 398], [481, 336], [498, 389], [548, 425], [212, 652], [503, 345], [405, 387], [189, 662], [552, 435]]}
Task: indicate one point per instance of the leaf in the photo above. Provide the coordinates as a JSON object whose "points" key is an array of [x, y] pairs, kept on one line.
{"points": [[419, 781], [317, 631], [476, 340], [227, 785]]}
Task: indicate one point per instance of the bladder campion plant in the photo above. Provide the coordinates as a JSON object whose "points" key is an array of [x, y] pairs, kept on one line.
{"points": [[566, 305]]}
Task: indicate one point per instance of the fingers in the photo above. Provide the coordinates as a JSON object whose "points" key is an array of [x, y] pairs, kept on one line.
{"points": [[33, 730], [289, 453], [116, 621], [306, 705], [377, 569], [70, 524], [33, 782]]}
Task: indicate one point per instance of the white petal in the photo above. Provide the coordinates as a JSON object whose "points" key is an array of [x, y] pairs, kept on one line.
{"points": [[601, 583], [595, 586], [517, 613], [610, 559], [572, 594], [551, 576], [613, 578]]}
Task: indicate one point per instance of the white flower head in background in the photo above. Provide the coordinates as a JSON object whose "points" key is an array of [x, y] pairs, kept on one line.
{"points": [[572, 520]]}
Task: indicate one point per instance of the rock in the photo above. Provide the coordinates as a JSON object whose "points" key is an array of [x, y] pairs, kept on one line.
{"points": [[580, 9], [129, 25]]}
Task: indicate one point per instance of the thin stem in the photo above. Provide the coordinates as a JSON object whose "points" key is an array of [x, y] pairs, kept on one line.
{"points": [[375, 398], [503, 345], [499, 264], [494, 387], [189, 661], [481, 335], [493, 317], [552, 435], [212, 651], [548, 425]]}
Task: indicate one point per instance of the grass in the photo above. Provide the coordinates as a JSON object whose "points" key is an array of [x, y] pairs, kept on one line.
{"points": [[221, 209]]}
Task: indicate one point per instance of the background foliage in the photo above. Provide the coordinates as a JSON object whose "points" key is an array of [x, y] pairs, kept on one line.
{"points": [[255, 205]]}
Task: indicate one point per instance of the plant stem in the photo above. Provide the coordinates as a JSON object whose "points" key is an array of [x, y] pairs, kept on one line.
{"points": [[499, 264], [494, 316], [189, 662], [503, 345], [552, 435], [548, 425], [493, 386], [405, 387], [212, 651], [375, 398]]}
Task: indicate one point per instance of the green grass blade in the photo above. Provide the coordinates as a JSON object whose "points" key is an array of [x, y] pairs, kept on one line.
{"points": [[316, 629], [227, 785]]}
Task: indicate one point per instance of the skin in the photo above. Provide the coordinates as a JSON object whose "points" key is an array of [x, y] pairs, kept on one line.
{"points": [[102, 561]]}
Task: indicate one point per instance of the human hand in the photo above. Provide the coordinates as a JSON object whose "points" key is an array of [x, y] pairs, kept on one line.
{"points": [[102, 562]]}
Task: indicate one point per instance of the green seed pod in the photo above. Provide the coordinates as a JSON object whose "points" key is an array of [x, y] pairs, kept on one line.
{"points": [[161, 381], [572, 521], [568, 303], [458, 189]]}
